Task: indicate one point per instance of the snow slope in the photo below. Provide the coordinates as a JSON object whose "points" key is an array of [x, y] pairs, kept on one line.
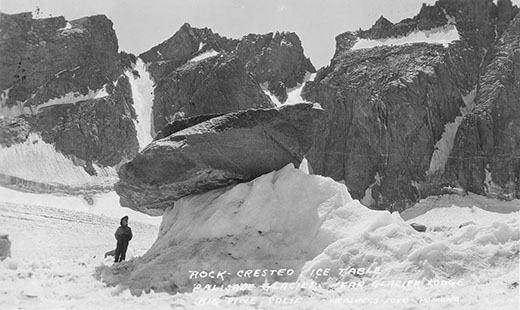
{"points": [[442, 35], [142, 94], [101, 204], [37, 161]]}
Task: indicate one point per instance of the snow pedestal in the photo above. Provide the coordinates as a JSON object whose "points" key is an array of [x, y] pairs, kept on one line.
{"points": [[270, 223], [5, 246]]}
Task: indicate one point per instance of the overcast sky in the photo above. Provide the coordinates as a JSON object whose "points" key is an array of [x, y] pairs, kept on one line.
{"points": [[142, 24]]}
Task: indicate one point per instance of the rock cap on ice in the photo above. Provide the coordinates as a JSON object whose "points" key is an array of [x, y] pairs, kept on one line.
{"points": [[203, 153]]}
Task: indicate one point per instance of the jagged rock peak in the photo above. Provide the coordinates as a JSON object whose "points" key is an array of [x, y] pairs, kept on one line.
{"points": [[186, 43], [382, 22], [276, 58]]}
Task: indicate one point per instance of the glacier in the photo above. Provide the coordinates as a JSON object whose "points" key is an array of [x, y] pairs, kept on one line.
{"points": [[303, 222]]}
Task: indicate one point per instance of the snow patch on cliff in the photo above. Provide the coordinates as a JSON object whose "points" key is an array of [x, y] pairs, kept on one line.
{"points": [[6, 111], [273, 98], [143, 96], [205, 55], [444, 145], [73, 97], [442, 35], [294, 95], [367, 199]]}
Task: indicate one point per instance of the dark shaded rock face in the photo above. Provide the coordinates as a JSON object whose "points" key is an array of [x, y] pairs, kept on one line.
{"points": [[217, 84], [97, 130], [64, 81], [197, 71], [212, 153], [13, 131], [276, 59], [387, 106], [49, 58], [489, 137]]}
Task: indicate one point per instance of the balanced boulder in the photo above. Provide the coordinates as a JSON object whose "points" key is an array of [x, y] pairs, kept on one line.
{"points": [[203, 153]]}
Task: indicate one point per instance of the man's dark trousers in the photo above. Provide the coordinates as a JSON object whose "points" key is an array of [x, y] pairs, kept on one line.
{"points": [[121, 247]]}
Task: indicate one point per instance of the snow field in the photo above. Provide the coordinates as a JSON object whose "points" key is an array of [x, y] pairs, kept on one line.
{"points": [[442, 35], [308, 220]]}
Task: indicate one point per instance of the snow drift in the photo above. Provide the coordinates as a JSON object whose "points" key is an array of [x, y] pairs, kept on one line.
{"points": [[295, 223]]}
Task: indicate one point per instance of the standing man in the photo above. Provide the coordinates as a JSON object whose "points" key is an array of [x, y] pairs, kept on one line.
{"points": [[123, 236]]}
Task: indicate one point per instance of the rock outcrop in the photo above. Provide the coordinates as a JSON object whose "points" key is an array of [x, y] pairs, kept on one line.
{"points": [[205, 153], [393, 110]]}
